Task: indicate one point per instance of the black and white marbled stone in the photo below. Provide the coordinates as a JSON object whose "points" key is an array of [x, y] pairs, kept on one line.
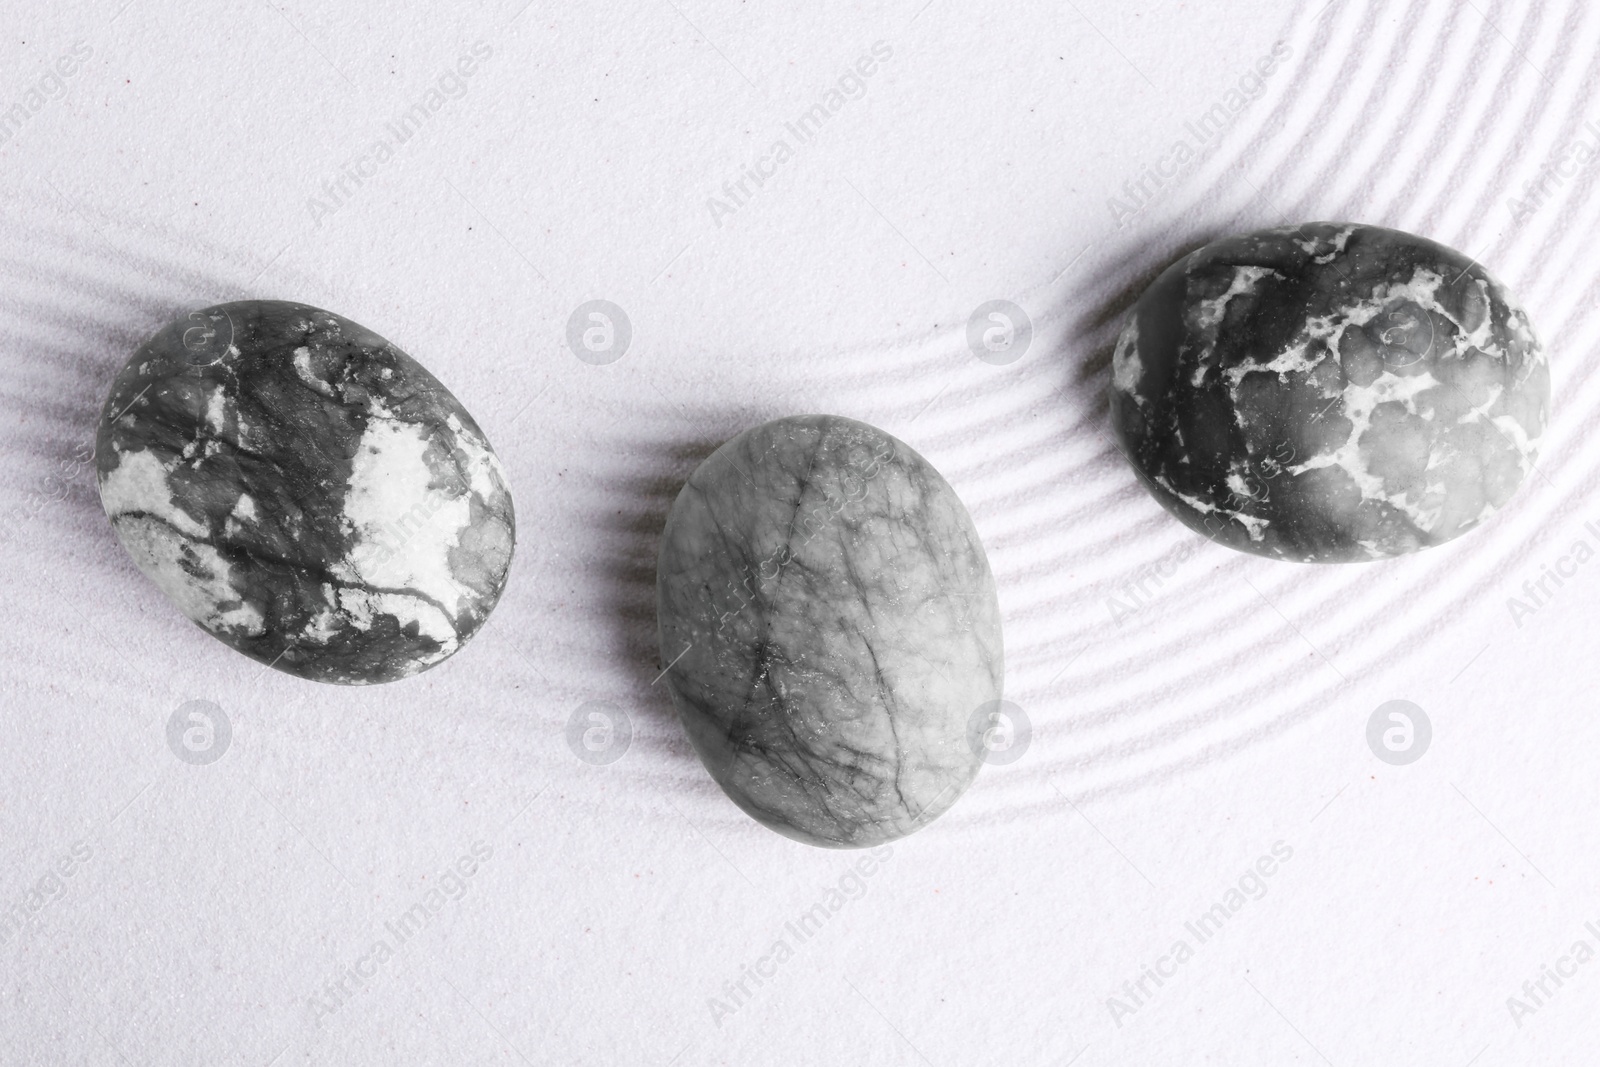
{"points": [[1329, 392], [831, 627], [305, 491]]}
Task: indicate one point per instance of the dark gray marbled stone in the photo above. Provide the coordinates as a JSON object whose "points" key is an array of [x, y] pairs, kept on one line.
{"points": [[1329, 392], [305, 491], [831, 626]]}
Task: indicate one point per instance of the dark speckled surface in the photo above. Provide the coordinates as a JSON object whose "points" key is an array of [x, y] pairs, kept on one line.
{"points": [[1329, 393]]}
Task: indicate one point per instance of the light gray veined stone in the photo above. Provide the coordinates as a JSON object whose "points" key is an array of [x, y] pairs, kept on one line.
{"points": [[831, 625]]}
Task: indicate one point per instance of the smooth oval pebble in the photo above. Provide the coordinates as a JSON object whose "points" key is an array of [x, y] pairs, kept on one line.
{"points": [[831, 628], [1329, 393], [305, 491]]}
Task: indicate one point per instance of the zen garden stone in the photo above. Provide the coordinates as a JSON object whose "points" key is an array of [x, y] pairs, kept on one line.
{"points": [[305, 491], [831, 628], [1329, 393]]}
